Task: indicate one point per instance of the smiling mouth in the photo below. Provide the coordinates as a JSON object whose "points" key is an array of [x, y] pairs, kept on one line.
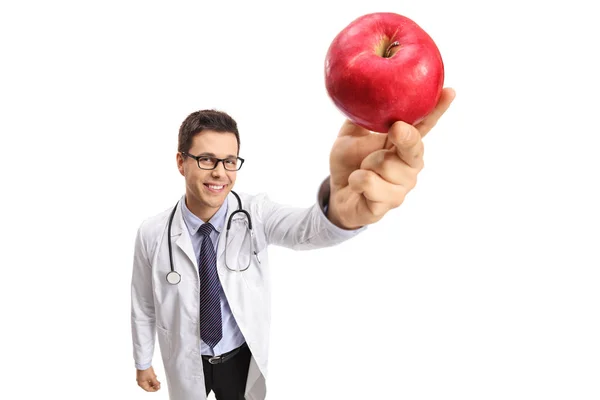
{"points": [[215, 188]]}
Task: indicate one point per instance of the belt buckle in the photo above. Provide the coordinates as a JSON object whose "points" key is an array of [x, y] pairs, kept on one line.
{"points": [[214, 360]]}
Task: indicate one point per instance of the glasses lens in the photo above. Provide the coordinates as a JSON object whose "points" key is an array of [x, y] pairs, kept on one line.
{"points": [[232, 164], [206, 162]]}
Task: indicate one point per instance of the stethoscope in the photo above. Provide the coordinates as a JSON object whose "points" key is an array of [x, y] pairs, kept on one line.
{"points": [[173, 277]]}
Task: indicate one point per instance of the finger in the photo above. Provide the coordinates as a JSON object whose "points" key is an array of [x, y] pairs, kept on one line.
{"points": [[391, 168], [146, 386], [382, 194], [446, 98], [351, 129], [407, 141], [155, 383]]}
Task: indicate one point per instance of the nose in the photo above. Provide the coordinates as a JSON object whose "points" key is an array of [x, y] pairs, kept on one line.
{"points": [[219, 168]]}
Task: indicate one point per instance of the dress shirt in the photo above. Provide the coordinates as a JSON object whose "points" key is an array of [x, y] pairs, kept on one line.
{"points": [[232, 336]]}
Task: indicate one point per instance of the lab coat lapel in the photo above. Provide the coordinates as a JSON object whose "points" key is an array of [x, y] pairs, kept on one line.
{"points": [[180, 234]]}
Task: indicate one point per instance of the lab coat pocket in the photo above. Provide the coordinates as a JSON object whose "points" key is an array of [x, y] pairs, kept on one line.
{"points": [[164, 342]]}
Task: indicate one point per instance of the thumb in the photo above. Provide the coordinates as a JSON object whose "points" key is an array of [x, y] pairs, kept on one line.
{"points": [[349, 128]]}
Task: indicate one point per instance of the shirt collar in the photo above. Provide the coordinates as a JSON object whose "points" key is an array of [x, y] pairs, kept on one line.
{"points": [[193, 223]]}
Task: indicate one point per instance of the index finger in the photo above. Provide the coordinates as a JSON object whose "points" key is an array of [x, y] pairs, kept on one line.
{"points": [[430, 120]]}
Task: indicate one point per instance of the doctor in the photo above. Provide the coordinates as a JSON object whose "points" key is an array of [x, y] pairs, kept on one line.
{"points": [[200, 278]]}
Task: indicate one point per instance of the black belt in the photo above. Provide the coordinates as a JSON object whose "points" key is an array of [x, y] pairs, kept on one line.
{"points": [[225, 356]]}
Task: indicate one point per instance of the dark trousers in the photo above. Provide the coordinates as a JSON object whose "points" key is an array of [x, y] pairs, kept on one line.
{"points": [[228, 380]]}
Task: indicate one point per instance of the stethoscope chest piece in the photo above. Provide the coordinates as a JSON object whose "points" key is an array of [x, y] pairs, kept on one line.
{"points": [[173, 277]]}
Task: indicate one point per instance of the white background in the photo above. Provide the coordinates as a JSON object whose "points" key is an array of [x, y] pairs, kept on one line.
{"points": [[484, 284]]}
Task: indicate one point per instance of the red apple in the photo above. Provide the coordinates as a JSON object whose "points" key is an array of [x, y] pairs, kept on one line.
{"points": [[384, 68]]}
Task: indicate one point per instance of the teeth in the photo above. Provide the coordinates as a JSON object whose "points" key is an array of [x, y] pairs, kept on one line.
{"points": [[216, 187]]}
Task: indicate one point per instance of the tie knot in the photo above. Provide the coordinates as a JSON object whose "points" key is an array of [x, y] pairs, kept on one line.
{"points": [[205, 229]]}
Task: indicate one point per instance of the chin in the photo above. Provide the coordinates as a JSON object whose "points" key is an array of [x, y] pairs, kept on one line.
{"points": [[214, 199]]}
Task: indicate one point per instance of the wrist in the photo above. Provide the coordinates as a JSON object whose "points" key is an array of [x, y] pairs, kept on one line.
{"points": [[327, 199], [336, 218]]}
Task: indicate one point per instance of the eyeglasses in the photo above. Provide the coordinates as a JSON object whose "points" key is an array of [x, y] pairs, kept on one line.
{"points": [[210, 162]]}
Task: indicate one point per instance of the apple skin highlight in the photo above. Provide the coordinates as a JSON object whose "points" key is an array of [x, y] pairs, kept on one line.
{"points": [[375, 81]]}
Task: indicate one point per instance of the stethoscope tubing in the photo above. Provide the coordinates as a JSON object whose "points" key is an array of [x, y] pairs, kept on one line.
{"points": [[173, 277]]}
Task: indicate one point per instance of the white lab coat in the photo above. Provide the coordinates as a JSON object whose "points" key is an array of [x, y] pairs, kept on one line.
{"points": [[172, 311]]}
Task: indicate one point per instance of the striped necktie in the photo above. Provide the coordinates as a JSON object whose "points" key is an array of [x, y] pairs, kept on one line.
{"points": [[211, 329]]}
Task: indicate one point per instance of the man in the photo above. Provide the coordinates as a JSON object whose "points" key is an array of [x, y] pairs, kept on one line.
{"points": [[201, 281]]}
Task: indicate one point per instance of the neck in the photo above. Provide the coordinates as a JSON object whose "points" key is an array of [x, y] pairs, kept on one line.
{"points": [[202, 211]]}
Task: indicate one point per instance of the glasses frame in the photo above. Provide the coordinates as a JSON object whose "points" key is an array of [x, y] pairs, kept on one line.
{"points": [[219, 160]]}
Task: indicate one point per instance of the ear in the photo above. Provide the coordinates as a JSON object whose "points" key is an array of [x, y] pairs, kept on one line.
{"points": [[179, 159]]}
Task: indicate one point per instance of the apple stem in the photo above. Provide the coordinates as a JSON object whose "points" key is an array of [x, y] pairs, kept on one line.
{"points": [[389, 48]]}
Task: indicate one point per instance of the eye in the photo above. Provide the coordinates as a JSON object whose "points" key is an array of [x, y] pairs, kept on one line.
{"points": [[231, 161], [206, 161]]}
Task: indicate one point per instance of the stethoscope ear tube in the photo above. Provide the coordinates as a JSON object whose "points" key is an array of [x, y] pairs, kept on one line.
{"points": [[173, 277], [240, 209], [243, 212]]}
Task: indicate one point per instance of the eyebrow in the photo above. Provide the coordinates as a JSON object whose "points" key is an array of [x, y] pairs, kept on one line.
{"points": [[214, 155]]}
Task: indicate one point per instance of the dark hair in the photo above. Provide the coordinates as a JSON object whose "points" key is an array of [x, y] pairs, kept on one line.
{"points": [[199, 121]]}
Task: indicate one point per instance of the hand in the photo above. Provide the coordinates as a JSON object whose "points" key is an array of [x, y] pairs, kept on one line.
{"points": [[372, 173], [146, 379]]}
